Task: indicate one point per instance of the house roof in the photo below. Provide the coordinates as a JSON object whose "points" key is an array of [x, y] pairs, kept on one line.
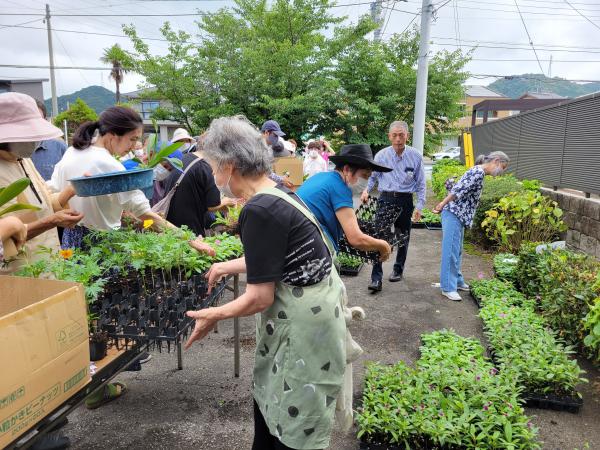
{"points": [[139, 93], [481, 91], [520, 104], [24, 80], [543, 95]]}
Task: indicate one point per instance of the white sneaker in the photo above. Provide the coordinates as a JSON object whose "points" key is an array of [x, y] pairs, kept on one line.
{"points": [[452, 296], [464, 287]]}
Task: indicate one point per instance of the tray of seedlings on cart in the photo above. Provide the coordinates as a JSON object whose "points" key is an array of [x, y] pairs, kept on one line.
{"points": [[376, 220], [140, 284], [349, 265]]}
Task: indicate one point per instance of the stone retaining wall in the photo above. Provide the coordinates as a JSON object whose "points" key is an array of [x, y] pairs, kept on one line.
{"points": [[582, 216]]}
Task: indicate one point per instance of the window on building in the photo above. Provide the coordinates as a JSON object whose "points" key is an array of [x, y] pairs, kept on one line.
{"points": [[148, 108], [491, 114]]}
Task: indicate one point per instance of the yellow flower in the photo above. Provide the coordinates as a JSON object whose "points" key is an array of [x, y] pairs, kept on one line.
{"points": [[148, 223], [66, 254]]}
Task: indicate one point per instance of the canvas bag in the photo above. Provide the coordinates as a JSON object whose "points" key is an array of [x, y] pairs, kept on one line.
{"points": [[162, 207]]}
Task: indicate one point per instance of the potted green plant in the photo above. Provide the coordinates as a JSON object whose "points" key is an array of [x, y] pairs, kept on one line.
{"points": [[7, 194], [349, 265]]}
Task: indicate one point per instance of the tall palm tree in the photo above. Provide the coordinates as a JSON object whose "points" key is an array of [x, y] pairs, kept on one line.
{"points": [[121, 64]]}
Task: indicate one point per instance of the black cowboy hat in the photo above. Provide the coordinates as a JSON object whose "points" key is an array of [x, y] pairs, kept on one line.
{"points": [[358, 155]]}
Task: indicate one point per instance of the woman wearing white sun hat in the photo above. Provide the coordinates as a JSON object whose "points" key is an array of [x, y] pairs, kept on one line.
{"points": [[182, 135]]}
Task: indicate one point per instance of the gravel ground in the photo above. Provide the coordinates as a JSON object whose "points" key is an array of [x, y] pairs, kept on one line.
{"points": [[204, 406]]}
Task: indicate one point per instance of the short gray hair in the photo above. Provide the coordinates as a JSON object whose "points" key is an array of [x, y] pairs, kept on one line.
{"points": [[399, 124], [497, 156], [234, 140]]}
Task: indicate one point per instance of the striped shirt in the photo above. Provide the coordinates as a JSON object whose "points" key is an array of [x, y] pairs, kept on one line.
{"points": [[408, 174]]}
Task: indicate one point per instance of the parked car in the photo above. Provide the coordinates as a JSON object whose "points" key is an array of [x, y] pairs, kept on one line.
{"points": [[451, 153]]}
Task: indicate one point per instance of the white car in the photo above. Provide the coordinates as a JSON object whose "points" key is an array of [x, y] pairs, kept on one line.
{"points": [[451, 153]]}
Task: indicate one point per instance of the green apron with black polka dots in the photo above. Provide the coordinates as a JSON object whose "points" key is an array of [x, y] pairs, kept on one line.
{"points": [[301, 356]]}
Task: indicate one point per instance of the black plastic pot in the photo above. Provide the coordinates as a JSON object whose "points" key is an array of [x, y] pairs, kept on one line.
{"points": [[97, 350]]}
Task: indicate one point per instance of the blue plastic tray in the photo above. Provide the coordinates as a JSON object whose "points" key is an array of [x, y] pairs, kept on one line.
{"points": [[112, 182]]}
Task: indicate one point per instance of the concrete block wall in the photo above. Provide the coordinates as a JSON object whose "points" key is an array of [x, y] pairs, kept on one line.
{"points": [[582, 216]]}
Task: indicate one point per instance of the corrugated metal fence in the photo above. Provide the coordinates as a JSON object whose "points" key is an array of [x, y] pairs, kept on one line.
{"points": [[558, 145]]}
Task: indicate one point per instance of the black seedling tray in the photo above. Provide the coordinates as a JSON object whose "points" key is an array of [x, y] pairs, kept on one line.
{"points": [[433, 225], [350, 271], [419, 443], [133, 317], [418, 225], [553, 402], [475, 298], [376, 220]]}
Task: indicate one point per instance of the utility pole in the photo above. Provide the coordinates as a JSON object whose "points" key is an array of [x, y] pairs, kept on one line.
{"points": [[550, 68], [377, 16], [51, 56], [422, 73]]}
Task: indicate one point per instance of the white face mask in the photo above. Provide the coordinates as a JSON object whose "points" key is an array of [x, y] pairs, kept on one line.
{"points": [[160, 173], [226, 190], [23, 149], [185, 147], [359, 186]]}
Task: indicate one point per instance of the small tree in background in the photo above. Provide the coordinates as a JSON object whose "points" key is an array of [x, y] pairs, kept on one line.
{"points": [[78, 113]]}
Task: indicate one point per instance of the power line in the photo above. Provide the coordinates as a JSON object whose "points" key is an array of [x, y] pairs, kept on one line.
{"points": [[24, 66], [541, 60], [456, 23], [501, 47], [389, 17], [19, 24], [582, 15], [552, 46], [529, 36], [524, 77]]}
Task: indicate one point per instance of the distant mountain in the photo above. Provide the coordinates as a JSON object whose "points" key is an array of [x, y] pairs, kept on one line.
{"points": [[518, 85], [97, 97]]}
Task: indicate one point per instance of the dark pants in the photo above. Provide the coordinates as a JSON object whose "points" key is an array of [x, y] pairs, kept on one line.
{"points": [[263, 439], [402, 226]]}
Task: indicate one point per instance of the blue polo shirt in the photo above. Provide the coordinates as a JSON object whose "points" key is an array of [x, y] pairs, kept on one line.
{"points": [[324, 193]]}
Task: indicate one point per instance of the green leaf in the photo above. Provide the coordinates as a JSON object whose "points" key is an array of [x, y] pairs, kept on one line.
{"points": [[13, 189], [175, 162], [18, 207], [163, 153]]}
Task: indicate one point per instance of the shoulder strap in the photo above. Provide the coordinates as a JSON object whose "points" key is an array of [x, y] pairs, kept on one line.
{"points": [[303, 209], [180, 179]]}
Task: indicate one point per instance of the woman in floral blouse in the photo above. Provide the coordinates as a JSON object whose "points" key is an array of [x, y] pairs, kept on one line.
{"points": [[458, 210]]}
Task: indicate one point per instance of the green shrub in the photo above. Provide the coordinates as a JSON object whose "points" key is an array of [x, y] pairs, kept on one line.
{"points": [[523, 344], [531, 185], [567, 290], [441, 172], [454, 398], [524, 217], [527, 271], [591, 326], [505, 266], [494, 188]]}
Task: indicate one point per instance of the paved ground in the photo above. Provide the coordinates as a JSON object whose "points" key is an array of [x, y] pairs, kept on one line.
{"points": [[204, 407]]}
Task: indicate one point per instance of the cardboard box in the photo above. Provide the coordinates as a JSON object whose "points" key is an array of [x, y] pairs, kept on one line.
{"points": [[44, 350], [292, 166]]}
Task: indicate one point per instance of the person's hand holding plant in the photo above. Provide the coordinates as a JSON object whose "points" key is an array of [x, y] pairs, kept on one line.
{"points": [[364, 197], [201, 246]]}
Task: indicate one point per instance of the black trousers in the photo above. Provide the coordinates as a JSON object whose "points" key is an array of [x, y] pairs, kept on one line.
{"points": [[402, 225], [263, 439]]}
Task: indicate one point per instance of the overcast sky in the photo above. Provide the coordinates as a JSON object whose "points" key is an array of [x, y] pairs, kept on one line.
{"points": [[556, 29]]}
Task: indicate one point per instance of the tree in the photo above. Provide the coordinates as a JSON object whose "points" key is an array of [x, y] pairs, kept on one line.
{"points": [[120, 61], [378, 86], [266, 61], [78, 113], [293, 61]]}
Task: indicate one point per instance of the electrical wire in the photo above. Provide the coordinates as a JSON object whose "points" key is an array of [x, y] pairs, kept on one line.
{"points": [[476, 46], [19, 24], [389, 17], [71, 59], [582, 15], [529, 36], [456, 23], [553, 46]]}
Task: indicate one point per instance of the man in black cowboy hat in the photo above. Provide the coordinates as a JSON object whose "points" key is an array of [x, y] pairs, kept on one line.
{"points": [[329, 196]]}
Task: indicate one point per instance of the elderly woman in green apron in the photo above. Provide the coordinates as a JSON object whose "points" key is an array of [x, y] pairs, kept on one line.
{"points": [[291, 282]]}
